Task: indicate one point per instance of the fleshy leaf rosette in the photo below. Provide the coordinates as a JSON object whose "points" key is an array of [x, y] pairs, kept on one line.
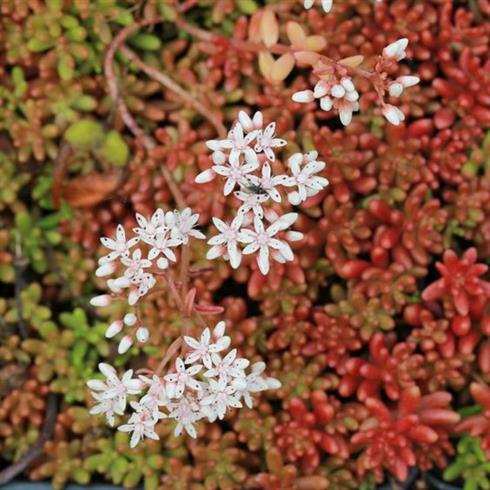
{"points": [[460, 281]]}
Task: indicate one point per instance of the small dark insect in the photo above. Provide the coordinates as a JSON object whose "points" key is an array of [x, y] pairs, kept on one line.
{"points": [[253, 188]]}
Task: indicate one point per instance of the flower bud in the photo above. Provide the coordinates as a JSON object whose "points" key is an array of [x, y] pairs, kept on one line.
{"points": [[101, 300], [130, 319], [396, 50], [105, 269], [396, 89], [142, 334], [338, 91], [125, 344], [394, 115], [113, 329], [303, 97]]}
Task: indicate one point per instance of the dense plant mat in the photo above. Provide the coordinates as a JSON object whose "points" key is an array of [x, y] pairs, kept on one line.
{"points": [[377, 330]]}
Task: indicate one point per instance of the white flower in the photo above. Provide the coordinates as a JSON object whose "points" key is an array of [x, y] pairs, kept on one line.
{"points": [[114, 389], [238, 143], [220, 397], [396, 50], [161, 245], [251, 202], [182, 224], [225, 243], [108, 407], [156, 395], [255, 383], [228, 367], [183, 377], [120, 246], [148, 228], [262, 239], [144, 283], [326, 4], [186, 412], [394, 115], [268, 183], [141, 424], [235, 173], [203, 348], [303, 177], [266, 141], [135, 265]]}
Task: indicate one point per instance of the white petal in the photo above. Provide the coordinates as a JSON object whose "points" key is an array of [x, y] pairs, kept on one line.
{"points": [[205, 176], [263, 260]]}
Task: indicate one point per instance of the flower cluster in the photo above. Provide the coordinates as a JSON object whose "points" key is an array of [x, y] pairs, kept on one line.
{"points": [[204, 385], [244, 159], [336, 90], [160, 236]]}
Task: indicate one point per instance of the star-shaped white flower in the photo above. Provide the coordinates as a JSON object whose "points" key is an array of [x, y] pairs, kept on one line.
{"points": [[268, 182], [135, 265], [120, 246], [262, 240], [186, 412], [238, 143], [182, 225], [226, 242], [183, 377], [254, 383], [162, 245], [204, 347], [149, 227], [114, 389], [266, 141], [227, 367], [251, 202], [235, 173], [220, 397], [303, 177], [141, 424]]}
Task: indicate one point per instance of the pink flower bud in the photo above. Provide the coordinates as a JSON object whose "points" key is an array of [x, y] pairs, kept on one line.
{"points": [[105, 269], [303, 96], [102, 300], [125, 344], [113, 329]]}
